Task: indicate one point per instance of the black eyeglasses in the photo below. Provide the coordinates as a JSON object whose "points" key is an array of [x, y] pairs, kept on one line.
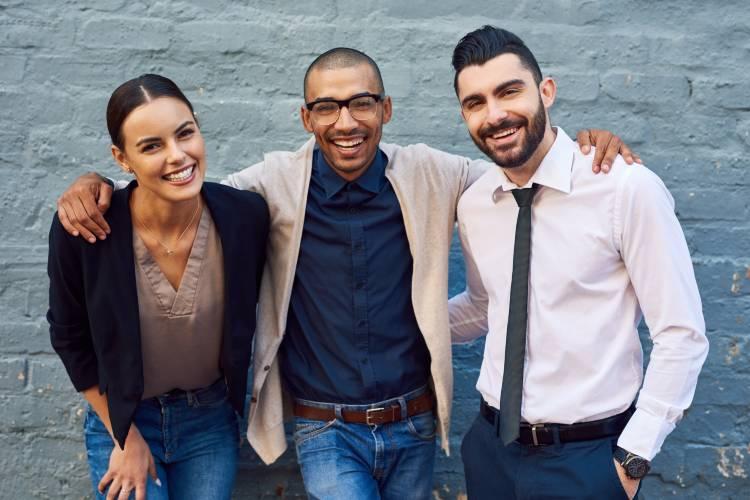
{"points": [[361, 106]]}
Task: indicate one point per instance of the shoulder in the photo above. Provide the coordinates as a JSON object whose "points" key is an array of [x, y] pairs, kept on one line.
{"points": [[225, 202], [60, 238], [424, 156], [231, 195]]}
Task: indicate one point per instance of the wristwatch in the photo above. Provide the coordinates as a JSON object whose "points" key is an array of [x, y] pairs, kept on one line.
{"points": [[635, 467]]}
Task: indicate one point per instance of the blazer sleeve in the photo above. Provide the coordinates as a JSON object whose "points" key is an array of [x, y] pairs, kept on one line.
{"points": [[262, 239], [69, 330]]}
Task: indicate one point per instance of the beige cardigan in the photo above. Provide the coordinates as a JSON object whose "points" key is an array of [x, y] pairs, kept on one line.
{"points": [[427, 183]]}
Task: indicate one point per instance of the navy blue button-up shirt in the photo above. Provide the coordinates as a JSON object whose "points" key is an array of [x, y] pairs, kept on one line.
{"points": [[351, 334]]}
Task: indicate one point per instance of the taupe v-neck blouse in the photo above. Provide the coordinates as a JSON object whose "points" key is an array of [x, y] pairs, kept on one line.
{"points": [[181, 330]]}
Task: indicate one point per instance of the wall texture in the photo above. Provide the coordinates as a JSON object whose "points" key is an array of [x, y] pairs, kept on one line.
{"points": [[669, 76]]}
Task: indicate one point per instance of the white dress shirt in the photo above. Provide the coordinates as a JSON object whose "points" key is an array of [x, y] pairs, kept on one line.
{"points": [[606, 250]]}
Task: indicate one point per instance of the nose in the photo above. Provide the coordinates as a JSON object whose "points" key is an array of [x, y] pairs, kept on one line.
{"points": [[345, 120], [495, 111], [175, 153]]}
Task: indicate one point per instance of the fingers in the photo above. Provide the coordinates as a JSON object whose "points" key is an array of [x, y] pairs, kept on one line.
{"points": [[114, 490], [610, 153], [152, 470], [105, 196], [62, 215], [629, 156], [78, 216], [106, 479], [140, 492], [125, 491], [95, 222], [584, 141]]}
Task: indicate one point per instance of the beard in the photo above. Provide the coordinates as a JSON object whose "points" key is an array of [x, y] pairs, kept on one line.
{"points": [[507, 157]]}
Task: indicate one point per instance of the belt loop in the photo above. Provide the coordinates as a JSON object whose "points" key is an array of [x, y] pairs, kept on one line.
{"points": [[404, 410], [337, 411], [556, 437]]}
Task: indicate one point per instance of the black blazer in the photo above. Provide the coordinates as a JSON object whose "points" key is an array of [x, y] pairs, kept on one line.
{"points": [[93, 302]]}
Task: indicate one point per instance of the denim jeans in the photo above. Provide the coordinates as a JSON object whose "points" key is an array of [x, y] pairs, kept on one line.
{"points": [[193, 437], [347, 461]]}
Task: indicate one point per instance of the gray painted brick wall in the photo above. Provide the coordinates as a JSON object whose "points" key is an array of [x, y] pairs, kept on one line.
{"points": [[669, 76]]}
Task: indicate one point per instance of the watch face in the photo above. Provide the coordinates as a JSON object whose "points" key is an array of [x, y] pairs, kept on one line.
{"points": [[637, 468]]}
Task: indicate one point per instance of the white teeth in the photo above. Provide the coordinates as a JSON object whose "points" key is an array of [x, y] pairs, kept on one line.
{"points": [[349, 144], [180, 176], [505, 133]]}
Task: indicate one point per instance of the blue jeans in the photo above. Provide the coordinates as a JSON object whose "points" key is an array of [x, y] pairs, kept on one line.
{"points": [[347, 461], [193, 437]]}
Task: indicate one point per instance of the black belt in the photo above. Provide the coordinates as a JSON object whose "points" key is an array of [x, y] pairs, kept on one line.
{"points": [[544, 434]]}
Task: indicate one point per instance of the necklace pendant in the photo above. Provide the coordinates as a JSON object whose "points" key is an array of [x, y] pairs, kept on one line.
{"points": [[169, 253]]}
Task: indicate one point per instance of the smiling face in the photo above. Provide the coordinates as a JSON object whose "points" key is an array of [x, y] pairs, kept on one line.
{"points": [[164, 149], [506, 111], [349, 145]]}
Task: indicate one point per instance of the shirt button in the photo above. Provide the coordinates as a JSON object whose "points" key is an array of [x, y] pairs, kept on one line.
{"points": [[360, 285], [365, 361], [266, 368], [352, 210], [253, 399], [361, 323]]}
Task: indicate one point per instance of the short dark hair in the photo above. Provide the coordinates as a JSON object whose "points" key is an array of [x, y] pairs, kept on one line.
{"points": [[134, 93], [343, 57], [488, 42]]}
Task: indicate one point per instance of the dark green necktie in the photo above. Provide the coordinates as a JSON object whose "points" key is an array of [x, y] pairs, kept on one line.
{"points": [[515, 342]]}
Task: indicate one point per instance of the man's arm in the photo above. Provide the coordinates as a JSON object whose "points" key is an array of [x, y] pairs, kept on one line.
{"points": [[656, 255], [467, 311], [82, 206]]}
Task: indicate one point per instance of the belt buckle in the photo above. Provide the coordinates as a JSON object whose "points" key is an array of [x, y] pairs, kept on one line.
{"points": [[534, 438], [369, 415]]}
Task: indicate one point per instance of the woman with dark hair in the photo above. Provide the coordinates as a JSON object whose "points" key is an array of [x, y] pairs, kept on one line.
{"points": [[155, 324]]}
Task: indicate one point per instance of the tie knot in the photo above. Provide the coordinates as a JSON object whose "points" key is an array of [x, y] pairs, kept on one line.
{"points": [[524, 197]]}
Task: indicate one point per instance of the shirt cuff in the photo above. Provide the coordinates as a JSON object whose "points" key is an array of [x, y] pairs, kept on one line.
{"points": [[644, 434]]}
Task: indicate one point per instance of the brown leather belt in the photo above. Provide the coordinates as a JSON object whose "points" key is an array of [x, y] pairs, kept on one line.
{"points": [[372, 416]]}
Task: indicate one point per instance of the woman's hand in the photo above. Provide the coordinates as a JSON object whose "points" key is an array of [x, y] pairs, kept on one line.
{"points": [[129, 469]]}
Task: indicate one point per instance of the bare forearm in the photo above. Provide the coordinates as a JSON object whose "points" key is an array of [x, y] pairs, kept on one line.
{"points": [[99, 403]]}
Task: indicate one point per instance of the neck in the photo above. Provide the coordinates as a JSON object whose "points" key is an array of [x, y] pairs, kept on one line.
{"points": [[522, 174], [350, 175], [163, 216]]}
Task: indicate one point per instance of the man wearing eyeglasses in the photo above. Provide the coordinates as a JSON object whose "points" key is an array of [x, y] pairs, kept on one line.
{"points": [[352, 340]]}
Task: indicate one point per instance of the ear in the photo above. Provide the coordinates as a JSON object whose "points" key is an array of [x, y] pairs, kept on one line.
{"points": [[548, 92], [387, 109], [119, 157], [304, 115]]}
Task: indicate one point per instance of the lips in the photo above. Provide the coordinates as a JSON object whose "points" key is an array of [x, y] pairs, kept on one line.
{"points": [[181, 175], [350, 146]]}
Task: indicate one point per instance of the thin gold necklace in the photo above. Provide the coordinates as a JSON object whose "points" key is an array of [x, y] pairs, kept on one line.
{"points": [[151, 233]]}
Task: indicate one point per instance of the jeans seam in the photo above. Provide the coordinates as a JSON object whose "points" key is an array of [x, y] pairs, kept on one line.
{"points": [[307, 436], [413, 430]]}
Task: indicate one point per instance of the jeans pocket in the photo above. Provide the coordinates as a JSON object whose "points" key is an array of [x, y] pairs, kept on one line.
{"points": [[305, 429], [422, 426]]}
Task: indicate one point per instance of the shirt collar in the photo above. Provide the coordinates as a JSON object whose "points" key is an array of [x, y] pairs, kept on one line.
{"points": [[554, 172], [371, 180]]}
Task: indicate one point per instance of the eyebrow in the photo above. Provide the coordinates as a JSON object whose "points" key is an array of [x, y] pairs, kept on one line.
{"points": [[153, 139], [331, 99], [496, 90]]}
